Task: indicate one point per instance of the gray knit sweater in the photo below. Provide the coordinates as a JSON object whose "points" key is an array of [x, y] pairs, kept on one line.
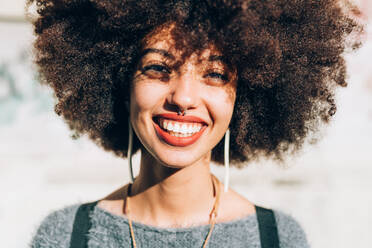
{"points": [[112, 231]]}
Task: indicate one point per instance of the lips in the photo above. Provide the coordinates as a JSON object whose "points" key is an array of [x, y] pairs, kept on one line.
{"points": [[180, 118], [169, 136]]}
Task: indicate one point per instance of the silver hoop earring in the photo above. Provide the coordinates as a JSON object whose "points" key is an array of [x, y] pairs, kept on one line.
{"points": [[227, 161], [129, 152]]}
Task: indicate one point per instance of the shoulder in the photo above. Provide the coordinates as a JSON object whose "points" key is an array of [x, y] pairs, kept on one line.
{"points": [[291, 234], [234, 206], [55, 229]]}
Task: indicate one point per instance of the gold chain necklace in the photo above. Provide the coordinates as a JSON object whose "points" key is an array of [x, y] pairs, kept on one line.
{"points": [[212, 215]]}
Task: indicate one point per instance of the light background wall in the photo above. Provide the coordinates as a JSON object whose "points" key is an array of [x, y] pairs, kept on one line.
{"points": [[327, 188]]}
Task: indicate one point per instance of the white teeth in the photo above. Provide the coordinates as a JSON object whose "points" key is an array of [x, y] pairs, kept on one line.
{"points": [[169, 127], [188, 129], [176, 127], [184, 129], [180, 129], [194, 129], [164, 124]]}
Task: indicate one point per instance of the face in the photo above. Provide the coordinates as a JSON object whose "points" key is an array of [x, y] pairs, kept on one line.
{"points": [[202, 85]]}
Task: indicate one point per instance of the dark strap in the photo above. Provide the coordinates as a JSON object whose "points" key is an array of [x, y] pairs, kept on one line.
{"points": [[82, 225], [267, 227]]}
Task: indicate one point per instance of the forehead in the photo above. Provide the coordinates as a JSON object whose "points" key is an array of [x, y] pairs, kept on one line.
{"points": [[160, 36], [161, 40]]}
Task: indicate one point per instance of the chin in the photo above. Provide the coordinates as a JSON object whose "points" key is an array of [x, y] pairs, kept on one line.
{"points": [[178, 160]]}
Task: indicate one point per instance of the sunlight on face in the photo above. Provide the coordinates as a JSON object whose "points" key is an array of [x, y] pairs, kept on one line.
{"points": [[164, 83]]}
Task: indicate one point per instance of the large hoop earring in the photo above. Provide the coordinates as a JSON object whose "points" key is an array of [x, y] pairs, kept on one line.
{"points": [[227, 162], [129, 152]]}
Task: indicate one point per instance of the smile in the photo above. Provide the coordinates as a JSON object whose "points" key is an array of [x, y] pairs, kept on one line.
{"points": [[179, 129], [181, 132]]}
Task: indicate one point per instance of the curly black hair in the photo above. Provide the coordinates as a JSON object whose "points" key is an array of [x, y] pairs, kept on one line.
{"points": [[288, 55]]}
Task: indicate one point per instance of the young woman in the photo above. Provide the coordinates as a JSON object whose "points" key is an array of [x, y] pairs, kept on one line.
{"points": [[177, 80]]}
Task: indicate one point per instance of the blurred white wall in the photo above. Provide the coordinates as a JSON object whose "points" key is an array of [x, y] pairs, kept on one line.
{"points": [[328, 187], [12, 7]]}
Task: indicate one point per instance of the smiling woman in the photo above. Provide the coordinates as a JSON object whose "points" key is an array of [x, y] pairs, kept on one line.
{"points": [[171, 79], [201, 85]]}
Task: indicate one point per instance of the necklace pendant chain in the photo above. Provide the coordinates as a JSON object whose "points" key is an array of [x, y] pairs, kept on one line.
{"points": [[212, 216]]}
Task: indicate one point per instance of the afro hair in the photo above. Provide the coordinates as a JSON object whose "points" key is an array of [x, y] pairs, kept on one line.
{"points": [[288, 57]]}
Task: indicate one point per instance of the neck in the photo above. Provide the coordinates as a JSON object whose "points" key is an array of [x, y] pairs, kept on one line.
{"points": [[167, 196]]}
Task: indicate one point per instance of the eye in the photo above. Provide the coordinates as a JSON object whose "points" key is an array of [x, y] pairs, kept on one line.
{"points": [[217, 75], [155, 68]]}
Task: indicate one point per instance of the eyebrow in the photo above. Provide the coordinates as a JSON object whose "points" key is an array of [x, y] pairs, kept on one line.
{"points": [[216, 58], [223, 59], [165, 53], [159, 51]]}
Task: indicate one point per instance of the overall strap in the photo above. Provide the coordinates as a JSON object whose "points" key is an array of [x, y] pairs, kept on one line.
{"points": [[267, 227], [82, 225]]}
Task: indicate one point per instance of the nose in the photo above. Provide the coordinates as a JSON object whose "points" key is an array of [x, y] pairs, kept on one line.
{"points": [[184, 92]]}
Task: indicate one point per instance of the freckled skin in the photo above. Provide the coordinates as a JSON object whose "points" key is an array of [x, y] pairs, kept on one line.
{"points": [[185, 86]]}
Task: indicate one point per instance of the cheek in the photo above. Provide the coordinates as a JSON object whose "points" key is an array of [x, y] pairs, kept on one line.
{"points": [[221, 105], [146, 96]]}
